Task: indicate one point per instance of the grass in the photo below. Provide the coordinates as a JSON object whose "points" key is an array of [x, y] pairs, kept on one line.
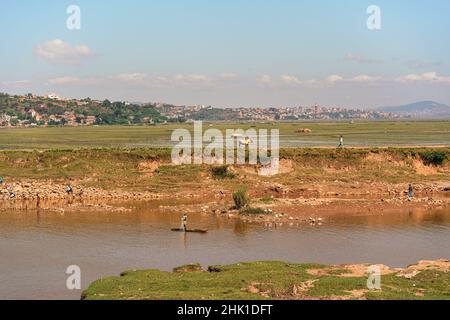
{"points": [[253, 211], [263, 280], [241, 199], [222, 172], [266, 200], [360, 133]]}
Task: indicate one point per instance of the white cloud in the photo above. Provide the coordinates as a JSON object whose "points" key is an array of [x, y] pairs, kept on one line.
{"points": [[16, 84], [191, 79], [137, 79], [60, 52], [264, 80], [73, 81], [334, 78], [419, 64], [132, 78], [361, 59], [365, 78], [228, 76], [290, 80], [427, 77]]}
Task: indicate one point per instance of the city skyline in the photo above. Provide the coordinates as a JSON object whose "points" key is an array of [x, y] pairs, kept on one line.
{"points": [[229, 54]]}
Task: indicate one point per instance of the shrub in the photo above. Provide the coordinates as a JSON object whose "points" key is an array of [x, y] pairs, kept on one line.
{"points": [[435, 158], [222, 172], [240, 199], [254, 211], [267, 200]]}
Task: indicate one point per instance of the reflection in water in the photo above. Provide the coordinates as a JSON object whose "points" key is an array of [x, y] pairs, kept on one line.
{"points": [[241, 228], [36, 247]]}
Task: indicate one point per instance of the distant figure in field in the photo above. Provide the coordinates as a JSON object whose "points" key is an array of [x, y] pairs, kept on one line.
{"points": [[10, 191], [410, 192], [69, 189], [341, 142], [184, 222]]}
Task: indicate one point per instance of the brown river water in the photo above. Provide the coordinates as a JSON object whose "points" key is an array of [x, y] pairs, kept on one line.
{"points": [[36, 248]]}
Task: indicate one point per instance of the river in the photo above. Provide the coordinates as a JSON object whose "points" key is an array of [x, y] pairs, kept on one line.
{"points": [[37, 247]]}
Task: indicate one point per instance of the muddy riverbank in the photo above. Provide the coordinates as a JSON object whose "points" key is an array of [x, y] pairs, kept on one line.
{"points": [[310, 182]]}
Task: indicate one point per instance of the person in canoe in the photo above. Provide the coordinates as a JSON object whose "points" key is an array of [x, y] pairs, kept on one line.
{"points": [[184, 222]]}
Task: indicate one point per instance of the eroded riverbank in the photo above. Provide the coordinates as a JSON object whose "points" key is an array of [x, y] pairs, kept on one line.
{"points": [[309, 182]]}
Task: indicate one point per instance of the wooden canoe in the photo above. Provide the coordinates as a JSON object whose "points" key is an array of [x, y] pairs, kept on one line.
{"points": [[192, 230]]}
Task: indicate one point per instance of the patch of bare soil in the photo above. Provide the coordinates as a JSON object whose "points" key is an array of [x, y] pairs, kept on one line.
{"points": [[424, 170], [415, 269], [349, 270], [381, 158], [148, 167], [284, 166]]}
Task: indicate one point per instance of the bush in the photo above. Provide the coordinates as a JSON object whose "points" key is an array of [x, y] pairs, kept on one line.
{"points": [[222, 172], [267, 200], [435, 158], [240, 199], [254, 211]]}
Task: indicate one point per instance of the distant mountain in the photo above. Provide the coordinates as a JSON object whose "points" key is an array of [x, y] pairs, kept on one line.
{"points": [[421, 109]]}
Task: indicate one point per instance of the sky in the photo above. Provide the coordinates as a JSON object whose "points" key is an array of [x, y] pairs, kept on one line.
{"points": [[229, 53]]}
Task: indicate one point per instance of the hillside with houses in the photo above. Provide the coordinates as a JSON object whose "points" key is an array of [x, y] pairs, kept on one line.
{"points": [[31, 110], [52, 110]]}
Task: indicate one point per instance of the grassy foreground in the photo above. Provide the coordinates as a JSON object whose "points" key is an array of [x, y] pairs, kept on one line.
{"points": [[270, 280]]}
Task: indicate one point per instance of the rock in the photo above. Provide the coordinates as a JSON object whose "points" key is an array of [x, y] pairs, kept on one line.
{"points": [[193, 267]]}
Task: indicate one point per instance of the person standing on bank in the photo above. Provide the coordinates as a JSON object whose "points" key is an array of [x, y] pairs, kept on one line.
{"points": [[341, 142], [410, 192]]}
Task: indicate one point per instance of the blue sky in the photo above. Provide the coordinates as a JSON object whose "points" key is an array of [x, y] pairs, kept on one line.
{"points": [[229, 53]]}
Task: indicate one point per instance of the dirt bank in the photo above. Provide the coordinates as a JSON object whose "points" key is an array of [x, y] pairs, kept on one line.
{"points": [[325, 180]]}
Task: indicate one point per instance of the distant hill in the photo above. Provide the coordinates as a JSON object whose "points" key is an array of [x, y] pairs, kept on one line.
{"points": [[421, 109]]}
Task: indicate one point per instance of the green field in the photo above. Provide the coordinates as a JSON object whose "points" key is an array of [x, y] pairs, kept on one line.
{"points": [[265, 280], [358, 134]]}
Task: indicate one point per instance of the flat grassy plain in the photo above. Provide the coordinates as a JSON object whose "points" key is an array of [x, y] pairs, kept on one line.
{"points": [[324, 134]]}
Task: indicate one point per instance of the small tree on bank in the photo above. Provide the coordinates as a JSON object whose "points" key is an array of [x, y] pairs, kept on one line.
{"points": [[240, 199]]}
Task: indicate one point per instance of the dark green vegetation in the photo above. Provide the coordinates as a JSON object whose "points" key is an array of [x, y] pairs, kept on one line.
{"points": [[435, 158], [31, 109], [324, 134], [253, 211], [222, 172], [265, 280], [241, 199]]}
